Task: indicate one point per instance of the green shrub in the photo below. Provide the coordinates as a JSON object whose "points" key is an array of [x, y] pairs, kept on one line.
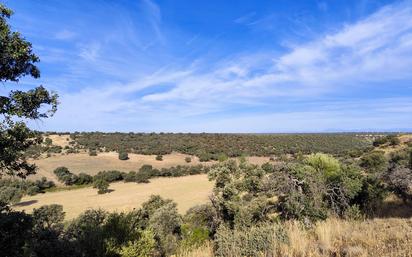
{"points": [[222, 157], [10, 195], [33, 190], [109, 175], [159, 157], [374, 162], [143, 247], [394, 140], [54, 149], [92, 153], [84, 179], [188, 159], [64, 175], [193, 237], [48, 141], [123, 156], [130, 177], [380, 141], [102, 186]]}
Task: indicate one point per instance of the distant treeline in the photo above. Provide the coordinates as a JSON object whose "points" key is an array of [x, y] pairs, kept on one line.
{"points": [[211, 146]]}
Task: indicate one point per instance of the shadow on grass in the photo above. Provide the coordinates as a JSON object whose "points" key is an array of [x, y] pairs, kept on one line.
{"points": [[25, 203]]}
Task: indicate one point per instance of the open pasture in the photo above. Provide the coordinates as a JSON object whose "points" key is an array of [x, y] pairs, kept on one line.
{"points": [[186, 191]]}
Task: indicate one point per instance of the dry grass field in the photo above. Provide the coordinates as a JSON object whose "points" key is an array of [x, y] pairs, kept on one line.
{"points": [[82, 162], [185, 191], [390, 237], [61, 140]]}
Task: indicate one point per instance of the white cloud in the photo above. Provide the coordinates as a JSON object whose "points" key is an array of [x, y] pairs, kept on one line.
{"points": [[90, 52], [375, 49], [154, 17], [65, 34]]}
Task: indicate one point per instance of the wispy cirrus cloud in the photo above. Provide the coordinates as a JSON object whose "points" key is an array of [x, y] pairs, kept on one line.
{"points": [[375, 49], [129, 75]]}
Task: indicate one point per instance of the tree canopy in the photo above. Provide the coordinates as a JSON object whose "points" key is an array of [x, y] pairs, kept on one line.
{"points": [[16, 61]]}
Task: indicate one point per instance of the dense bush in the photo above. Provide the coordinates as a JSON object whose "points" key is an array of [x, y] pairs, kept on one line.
{"points": [[84, 179], [92, 152], [11, 190], [54, 149], [374, 162], [123, 156], [109, 175], [101, 185], [10, 194], [64, 175]]}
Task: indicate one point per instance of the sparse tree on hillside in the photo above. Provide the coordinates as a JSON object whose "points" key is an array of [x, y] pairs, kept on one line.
{"points": [[16, 61]]}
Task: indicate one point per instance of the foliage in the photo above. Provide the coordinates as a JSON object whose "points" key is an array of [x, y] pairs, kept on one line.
{"points": [[123, 155], [10, 195], [109, 175], [374, 162], [48, 216], [16, 61], [144, 247], [88, 233], [11, 190], [159, 157], [64, 175], [15, 231], [102, 186], [210, 146], [92, 152]]}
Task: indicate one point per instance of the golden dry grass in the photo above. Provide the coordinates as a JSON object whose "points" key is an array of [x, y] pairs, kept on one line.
{"points": [[185, 191], [60, 140], [390, 237], [82, 162]]}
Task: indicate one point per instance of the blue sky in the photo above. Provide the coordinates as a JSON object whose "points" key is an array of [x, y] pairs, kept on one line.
{"points": [[222, 66]]}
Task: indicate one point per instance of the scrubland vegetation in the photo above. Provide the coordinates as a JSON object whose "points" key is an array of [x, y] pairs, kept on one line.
{"points": [[309, 205], [325, 195]]}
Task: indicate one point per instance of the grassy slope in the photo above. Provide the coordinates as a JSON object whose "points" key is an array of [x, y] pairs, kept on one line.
{"points": [[333, 237]]}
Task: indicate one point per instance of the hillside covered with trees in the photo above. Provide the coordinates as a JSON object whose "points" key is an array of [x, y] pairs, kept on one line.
{"points": [[210, 146]]}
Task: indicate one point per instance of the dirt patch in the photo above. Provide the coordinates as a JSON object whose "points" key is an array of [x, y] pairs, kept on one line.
{"points": [[185, 191]]}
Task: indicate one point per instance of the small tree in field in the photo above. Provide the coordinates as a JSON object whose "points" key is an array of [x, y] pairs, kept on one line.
{"points": [[102, 186], [123, 156], [188, 159], [92, 152], [159, 157], [48, 141]]}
